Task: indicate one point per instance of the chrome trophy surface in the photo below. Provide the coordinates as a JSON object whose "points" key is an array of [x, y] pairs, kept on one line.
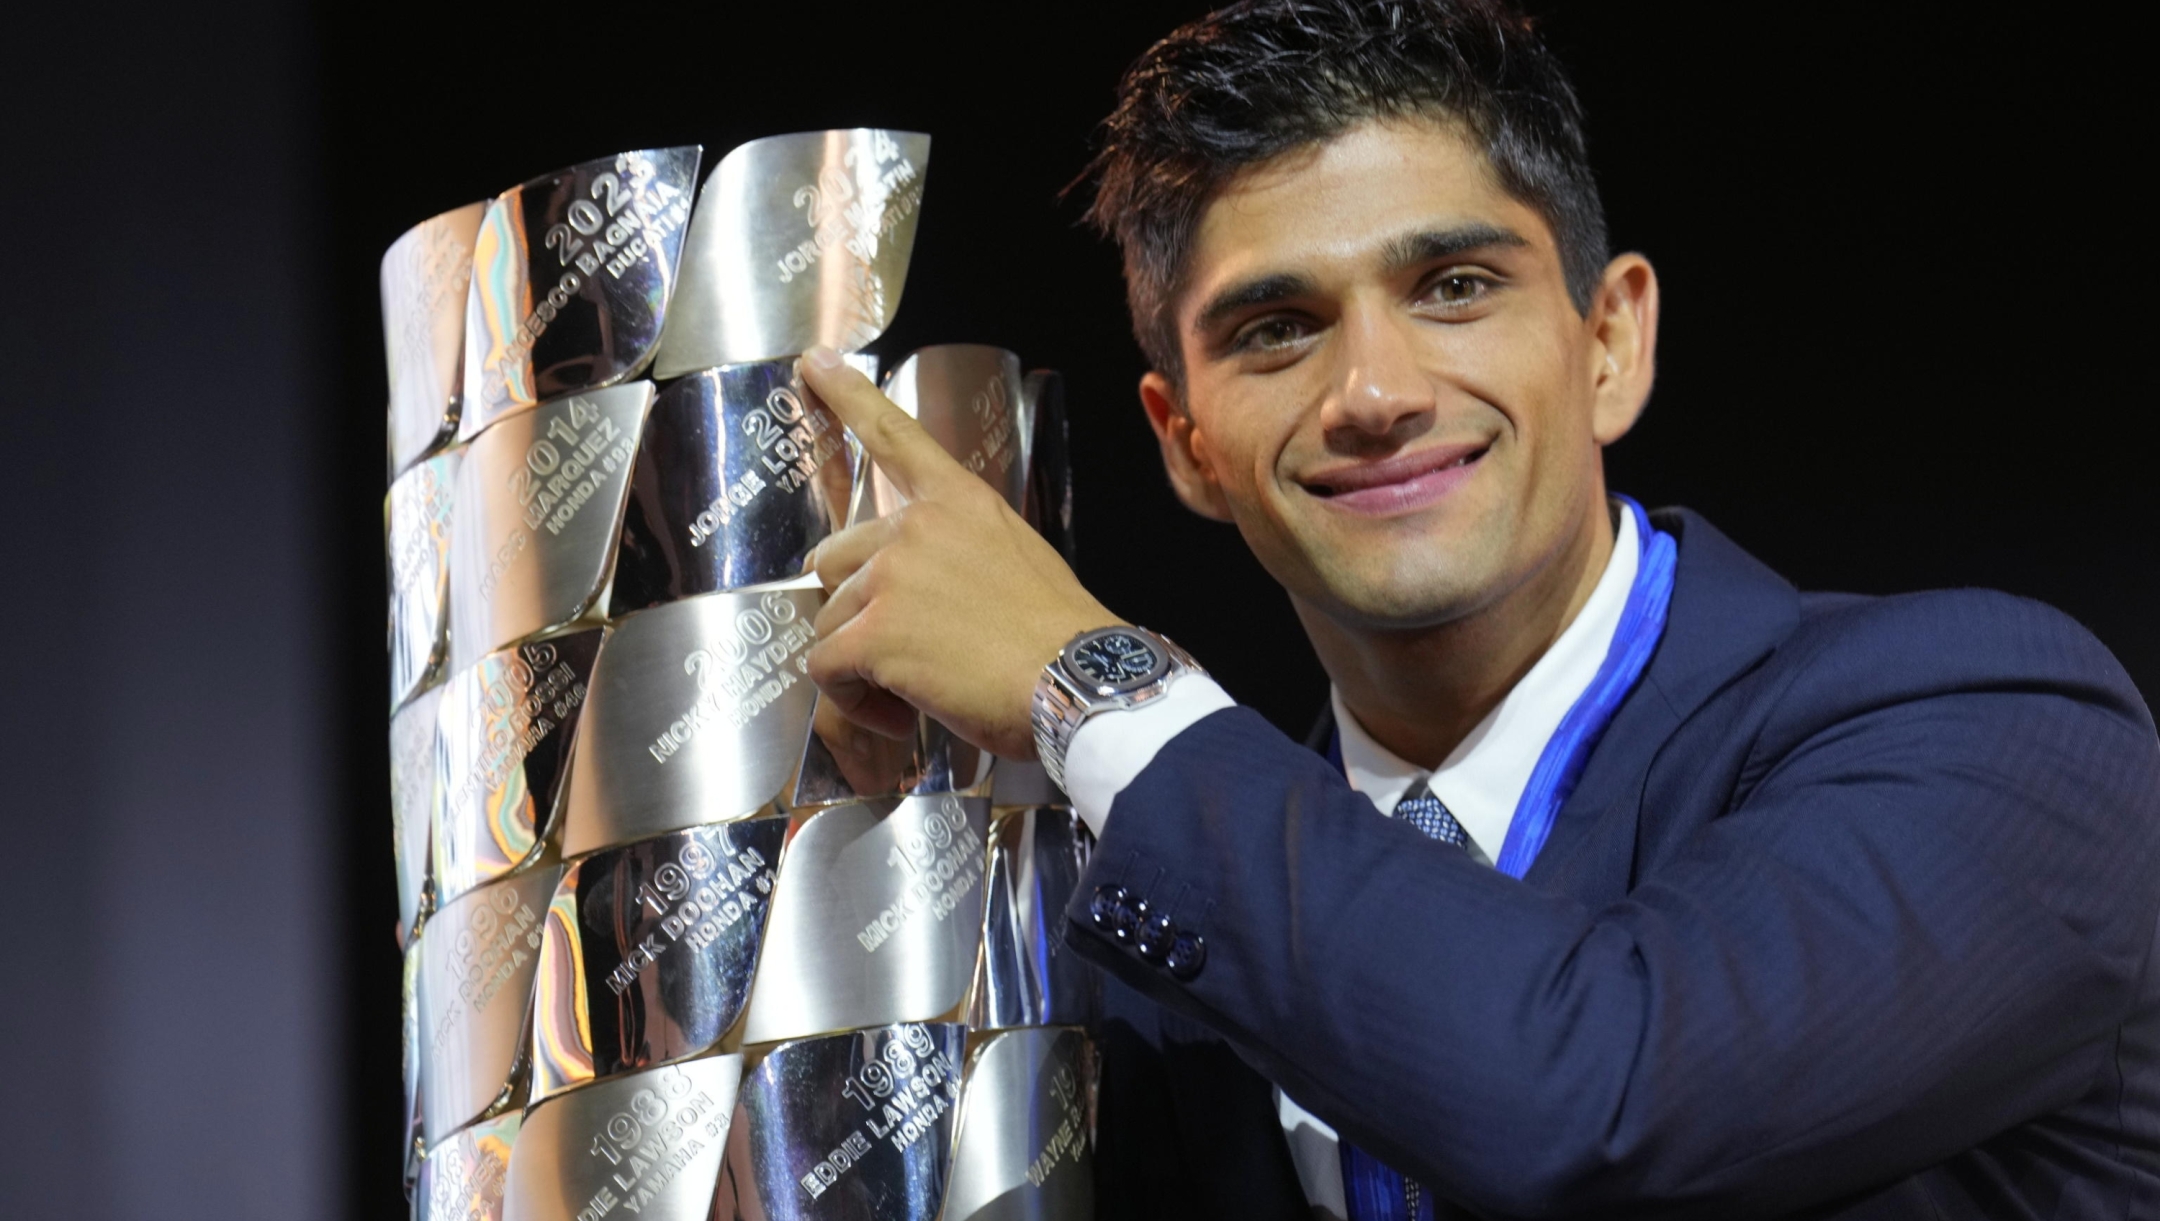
{"points": [[647, 1145], [426, 275]]}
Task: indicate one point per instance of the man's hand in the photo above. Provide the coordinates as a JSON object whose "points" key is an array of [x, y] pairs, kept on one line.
{"points": [[952, 605]]}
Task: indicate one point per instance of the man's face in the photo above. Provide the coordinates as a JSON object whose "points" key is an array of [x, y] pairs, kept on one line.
{"points": [[1389, 389]]}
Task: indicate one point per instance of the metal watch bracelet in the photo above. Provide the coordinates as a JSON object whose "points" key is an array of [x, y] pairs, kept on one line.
{"points": [[1060, 707]]}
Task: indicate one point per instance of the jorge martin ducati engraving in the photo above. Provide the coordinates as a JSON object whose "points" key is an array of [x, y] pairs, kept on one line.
{"points": [[539, 503], [799, 240], [572, 275], [426, 275]]}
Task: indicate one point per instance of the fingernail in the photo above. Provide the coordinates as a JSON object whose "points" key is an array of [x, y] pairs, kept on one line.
{"points": [[823, 357]]}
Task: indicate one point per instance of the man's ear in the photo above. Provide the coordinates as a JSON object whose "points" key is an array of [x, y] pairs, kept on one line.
{"points": [[1184, 449], [1623, 349]]}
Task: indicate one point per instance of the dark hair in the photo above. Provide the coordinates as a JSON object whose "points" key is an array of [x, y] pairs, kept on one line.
{"points": [[1259, 78]]}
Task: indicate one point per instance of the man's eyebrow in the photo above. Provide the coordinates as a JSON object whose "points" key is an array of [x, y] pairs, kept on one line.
{"points": [[1245, 295], [1431, 245]]}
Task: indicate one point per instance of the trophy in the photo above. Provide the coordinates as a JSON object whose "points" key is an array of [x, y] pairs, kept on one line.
{"points": [[679, 941]]}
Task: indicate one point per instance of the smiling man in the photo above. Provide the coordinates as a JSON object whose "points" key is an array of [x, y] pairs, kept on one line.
{"points": [[1622, 878]]}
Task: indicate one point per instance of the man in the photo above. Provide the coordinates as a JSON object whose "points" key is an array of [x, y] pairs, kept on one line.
{"points": [[1626, 880]]}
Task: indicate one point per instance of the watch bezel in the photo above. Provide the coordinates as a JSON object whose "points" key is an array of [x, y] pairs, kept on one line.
{"points": [[1098, 690]]}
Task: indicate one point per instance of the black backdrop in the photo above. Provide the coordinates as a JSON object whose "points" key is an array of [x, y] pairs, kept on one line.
{"points": [[1900, 327]]}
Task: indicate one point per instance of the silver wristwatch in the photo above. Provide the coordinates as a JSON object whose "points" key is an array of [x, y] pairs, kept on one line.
{"points": [[1101, 670]]}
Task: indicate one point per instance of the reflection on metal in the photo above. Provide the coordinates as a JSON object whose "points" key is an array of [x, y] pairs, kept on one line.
{"points": [[697, 714], [416, 532], [851, 1127], [799, 240], [1027, 976], [539, 504], [412, 806], [409, 1013], [876, 917], [1025, 1145], [425, 277], [478, 956], [970, 398], [740, 473], [1023, 782], [462, 1178], [647, 1145], [503, 741], [1048, 459], [649, 951], [572, 273]]}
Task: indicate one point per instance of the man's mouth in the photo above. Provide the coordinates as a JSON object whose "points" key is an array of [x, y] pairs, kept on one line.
{"points": [[1398, 484]]}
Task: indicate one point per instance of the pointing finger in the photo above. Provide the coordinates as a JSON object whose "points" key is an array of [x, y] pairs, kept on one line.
{"points": [[908, 455]]}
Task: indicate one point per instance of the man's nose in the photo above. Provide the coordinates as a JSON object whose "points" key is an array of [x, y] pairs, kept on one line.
{"points": [[1382, 395]]}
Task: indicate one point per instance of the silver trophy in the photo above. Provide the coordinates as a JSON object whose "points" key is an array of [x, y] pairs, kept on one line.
{"points": [[426, 275]]}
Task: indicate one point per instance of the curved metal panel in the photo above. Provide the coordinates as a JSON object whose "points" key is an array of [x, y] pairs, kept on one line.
{"points": [[1027, 976], [799, 240], [503, 741], [1025, 1149], [647, 1145], [462, 1178], [876, 918], [412, 807], [478, 956], [850, 1127], [539, 503], [739, 474], [697, 714], [416, 534], [649, 951], [572, 274], [426, 275]]}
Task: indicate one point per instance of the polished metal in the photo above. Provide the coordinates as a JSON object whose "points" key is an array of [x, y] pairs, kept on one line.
{"points": [[798, 240], [647, 1146], [502, 751], [539, 505], [478, 957], [972, 398], [416, 533], [849, 1127], [412, 806], [1049, 459], [876, 917], [740, 473], [697, 714], [572, 276], [1025, 1147], [409, 1059], [462, 1178], [649, 951], [426, 275], [1027, 975]]}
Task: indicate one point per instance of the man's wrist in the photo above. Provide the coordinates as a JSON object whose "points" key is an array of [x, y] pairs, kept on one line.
{"points": [[1099, 670]]}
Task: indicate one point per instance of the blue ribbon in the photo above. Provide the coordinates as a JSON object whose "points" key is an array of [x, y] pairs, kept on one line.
{"points": [[1371, 1190]]}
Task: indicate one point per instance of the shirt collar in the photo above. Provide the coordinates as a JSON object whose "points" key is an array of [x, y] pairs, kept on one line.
{"points": [[1482, 780]]}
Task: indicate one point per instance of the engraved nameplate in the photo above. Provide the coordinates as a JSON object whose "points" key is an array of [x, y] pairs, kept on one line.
{"points": [[697, 714], [426, 275], [462, 1179], [1025, 1148], [649, 951], [877, 917], [539, 503], [503, 741], [739, 474], [1027, 976], [799, 240], [416, 530], [850, 1127], [572, 274], [478, 957], [646, 1146]]}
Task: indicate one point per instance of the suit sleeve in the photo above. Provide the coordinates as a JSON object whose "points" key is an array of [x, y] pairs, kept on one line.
{"points": [[1920, 922]]}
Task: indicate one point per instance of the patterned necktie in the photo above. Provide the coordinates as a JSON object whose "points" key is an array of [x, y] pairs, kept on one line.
{"points": [[1428, 814]]}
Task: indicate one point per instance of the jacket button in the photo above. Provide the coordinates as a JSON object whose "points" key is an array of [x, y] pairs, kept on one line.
{"points": [[1132, 912], [1102, 908], [1188, 953], [1157, 933]]}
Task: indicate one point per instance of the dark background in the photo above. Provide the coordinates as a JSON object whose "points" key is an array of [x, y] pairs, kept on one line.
{"points": [[1900, 326]]}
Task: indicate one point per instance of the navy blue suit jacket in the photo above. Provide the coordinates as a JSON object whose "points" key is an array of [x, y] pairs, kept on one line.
{"points": [[1851, 915]]}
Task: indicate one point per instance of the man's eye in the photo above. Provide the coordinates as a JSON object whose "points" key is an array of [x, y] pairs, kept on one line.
{"points": [[1459, 288], [1269, 333]]}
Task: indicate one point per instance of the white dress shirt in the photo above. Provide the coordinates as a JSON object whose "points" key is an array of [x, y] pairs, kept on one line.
{"points": [[1480, 782]]}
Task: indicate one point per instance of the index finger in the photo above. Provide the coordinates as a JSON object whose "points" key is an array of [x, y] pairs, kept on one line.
{"points": [[910, 457]]}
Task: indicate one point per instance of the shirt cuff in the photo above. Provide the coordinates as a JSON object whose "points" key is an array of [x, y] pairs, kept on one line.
{"points": [[1111, 748]]}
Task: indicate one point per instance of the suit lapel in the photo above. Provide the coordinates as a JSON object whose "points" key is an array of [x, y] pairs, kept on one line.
{"points": [[1728, 612]]}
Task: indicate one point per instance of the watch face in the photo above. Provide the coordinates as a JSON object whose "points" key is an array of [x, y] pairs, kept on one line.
{"points": [[1116, 661]]}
